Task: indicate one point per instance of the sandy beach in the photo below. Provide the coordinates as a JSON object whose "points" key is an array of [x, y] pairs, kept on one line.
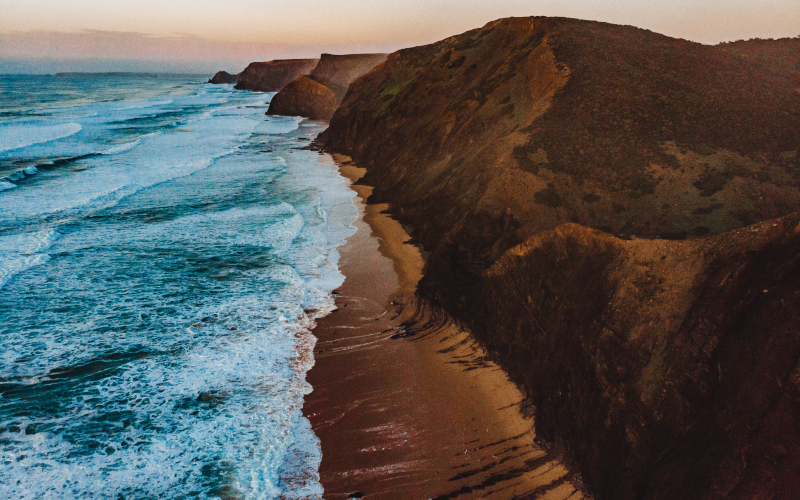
{"points": [[405, 403]]}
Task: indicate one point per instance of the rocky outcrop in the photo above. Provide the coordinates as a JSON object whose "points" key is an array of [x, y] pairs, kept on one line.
{"points": [[667, 369], [307, 96], [304, 97], [272, 76], [592, 202], [224, 77]]}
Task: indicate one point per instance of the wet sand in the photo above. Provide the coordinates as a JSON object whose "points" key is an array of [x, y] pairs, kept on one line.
{"points": [[406, 405]]}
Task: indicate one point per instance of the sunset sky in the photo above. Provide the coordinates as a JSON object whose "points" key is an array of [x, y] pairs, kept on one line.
{"points": [[206, 34]]}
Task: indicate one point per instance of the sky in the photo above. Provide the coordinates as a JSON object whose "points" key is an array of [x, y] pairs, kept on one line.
{"points": [[204, 35]]}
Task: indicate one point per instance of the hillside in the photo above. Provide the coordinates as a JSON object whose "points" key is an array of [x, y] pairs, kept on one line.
{"points": [[272, 76], [612, 127], [601, 205]]}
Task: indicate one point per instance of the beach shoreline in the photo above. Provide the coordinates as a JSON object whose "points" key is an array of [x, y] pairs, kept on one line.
{"points": [[406, 404]]}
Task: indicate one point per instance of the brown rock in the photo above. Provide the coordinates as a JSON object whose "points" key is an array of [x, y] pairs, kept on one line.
{"points": [[304, 97], [334, 72], [272, 76], [337, 72], [224, 77]]}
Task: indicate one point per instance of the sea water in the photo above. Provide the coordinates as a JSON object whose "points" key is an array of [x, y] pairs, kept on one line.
{"points": [[165, 248]]}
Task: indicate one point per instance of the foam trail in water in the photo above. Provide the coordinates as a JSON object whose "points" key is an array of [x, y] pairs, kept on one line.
{"points": [[142, 105], [20, 252], [19, 136], [158, 158], [121, 148]]}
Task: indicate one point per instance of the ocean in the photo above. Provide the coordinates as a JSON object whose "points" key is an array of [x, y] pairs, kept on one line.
{"points": [[165, 248]]}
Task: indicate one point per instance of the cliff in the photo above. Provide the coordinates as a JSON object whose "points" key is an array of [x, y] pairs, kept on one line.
{"points": [[304, 97], [592, 202], [224, 77], [319, 95], [272, 76], [337, 72]]}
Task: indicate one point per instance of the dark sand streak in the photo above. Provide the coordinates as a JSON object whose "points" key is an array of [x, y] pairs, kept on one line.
{"points": [[407, 405]]}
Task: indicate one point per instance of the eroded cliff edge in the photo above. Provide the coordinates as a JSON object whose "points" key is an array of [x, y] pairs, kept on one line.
{"points": [[272, 76], [613, 213], [319, 94]]}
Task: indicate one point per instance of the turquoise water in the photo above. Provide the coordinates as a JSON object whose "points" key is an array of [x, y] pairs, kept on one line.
{"points": [[164, 249]]}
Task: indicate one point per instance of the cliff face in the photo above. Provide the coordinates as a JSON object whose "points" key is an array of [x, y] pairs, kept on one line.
{"points": [[667, 368], [304, 97], [337, 72], [334, 74], [272, 76], [224, 77]]}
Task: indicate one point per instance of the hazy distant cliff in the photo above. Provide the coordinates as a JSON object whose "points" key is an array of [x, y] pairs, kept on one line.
{"points": [[224, 77], [272, 76], [318, 95], [668, 369]]}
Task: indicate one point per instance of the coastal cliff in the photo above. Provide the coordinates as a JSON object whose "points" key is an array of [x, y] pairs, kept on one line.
{"points": [[304, 97], [613, 213], [318, 95], [224, 77], [272, 76]]}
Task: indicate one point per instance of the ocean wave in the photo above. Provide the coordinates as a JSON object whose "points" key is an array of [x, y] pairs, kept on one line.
{"points": [[143, 104], [20, 136], [121, 148], [21, 252]]}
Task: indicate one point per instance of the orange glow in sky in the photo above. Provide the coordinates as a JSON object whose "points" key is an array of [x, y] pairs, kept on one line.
{"points": [[253, 28]]}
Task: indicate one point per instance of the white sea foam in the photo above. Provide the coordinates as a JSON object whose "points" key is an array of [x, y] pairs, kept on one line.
{"points": [[5, 185], [30, 170], [16, 175], [121, 148], [20, 252], [142, 105], [18, 136], [278, 125]]}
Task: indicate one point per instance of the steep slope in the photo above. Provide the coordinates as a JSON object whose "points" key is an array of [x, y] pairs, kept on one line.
{"points": [[223, 77], [272, 76], [556, 120], [335, 73], [666, 369], [304, 97]]}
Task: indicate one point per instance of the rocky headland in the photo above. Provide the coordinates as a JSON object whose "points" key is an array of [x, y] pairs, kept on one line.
{"points": [[613, 214], [224, 77], [272, 76], [319, 94]]}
